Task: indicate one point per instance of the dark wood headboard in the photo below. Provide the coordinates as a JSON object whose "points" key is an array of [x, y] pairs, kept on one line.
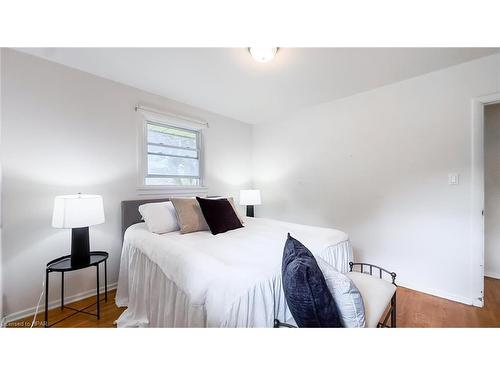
{"points": [[130, 211]]}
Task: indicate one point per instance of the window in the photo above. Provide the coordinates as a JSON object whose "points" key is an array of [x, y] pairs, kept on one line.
{"points": [[172, 157]]}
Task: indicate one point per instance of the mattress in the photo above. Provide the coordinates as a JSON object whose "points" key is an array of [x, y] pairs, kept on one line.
{"points": [[232, 279]]}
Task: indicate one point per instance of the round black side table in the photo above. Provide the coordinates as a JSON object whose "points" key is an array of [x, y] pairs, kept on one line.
{"points": [[62, 265]]}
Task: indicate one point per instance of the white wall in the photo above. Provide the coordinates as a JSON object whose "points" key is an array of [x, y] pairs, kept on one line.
{"points": [[65, 131], [376, 165], [492, 190]]}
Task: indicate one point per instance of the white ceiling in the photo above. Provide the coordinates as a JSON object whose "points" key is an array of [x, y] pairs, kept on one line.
{"points": [[229, 82]]}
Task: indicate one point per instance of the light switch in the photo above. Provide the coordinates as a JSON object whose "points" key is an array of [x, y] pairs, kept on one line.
{"points": [[453, 179]]}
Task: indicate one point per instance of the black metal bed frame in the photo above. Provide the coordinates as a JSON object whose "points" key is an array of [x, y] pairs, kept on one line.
{"points": [[381, 271]]}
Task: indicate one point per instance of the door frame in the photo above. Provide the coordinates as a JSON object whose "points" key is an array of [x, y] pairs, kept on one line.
{"points": [[477, 196]]}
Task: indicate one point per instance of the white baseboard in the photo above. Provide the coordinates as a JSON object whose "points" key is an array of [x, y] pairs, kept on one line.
{"points": [[52, 304], [492, 274], [445, 295]]}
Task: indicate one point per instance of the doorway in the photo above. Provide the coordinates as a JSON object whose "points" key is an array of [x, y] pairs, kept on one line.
{"points": [[492, 190], [477, 230]]}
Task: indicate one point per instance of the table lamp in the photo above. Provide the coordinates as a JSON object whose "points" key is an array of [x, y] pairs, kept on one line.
{"points": [[78, 212], [250, 198]]}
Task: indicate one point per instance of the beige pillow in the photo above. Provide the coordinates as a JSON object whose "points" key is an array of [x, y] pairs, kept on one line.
{"points": [[189, 214]]}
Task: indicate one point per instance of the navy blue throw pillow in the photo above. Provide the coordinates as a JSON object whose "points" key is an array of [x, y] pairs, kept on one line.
{"points": [[307, 295]]}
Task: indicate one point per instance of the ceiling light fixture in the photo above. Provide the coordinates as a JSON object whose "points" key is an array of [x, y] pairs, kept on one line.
{"points": [[263, 54]]}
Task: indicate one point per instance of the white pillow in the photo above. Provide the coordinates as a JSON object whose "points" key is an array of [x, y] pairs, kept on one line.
{"points": [[159, 217], [347, 297]]}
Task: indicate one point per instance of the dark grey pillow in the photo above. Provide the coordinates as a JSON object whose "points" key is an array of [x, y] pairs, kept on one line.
{"points": [[219, 215], [306, 292]]}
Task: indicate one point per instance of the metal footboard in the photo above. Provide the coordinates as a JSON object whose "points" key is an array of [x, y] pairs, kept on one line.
{"points": [[381, 271], [369, 268], [373, 270]]}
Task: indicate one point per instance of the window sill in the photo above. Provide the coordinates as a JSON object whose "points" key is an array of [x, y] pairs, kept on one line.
{"points": [[171, 190]]}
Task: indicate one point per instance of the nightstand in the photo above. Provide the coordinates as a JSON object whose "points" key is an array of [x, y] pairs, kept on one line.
{"points": [[62, 265]]}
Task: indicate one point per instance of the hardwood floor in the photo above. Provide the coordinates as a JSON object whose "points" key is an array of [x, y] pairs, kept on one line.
{"points": [[415, 309], [109, 313]]}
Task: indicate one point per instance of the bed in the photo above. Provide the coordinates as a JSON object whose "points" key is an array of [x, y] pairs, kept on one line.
{"points": [[232, 279]]}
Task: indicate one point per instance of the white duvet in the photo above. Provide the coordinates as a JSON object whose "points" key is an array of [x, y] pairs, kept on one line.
{"points": [[232, 279]]}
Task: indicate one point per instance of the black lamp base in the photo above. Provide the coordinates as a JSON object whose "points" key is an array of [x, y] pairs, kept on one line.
{"points": [[250, 211], [80, 247]]}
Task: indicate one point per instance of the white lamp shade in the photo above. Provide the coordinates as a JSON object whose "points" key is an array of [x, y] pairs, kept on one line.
{"points": [[250, 197], [77, 211]]}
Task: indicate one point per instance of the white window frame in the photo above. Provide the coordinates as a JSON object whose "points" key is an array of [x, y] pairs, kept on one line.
{"points": [[142, 188]]}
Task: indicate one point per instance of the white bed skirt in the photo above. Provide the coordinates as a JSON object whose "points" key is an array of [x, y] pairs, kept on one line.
{"points": [[153, 300]]}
